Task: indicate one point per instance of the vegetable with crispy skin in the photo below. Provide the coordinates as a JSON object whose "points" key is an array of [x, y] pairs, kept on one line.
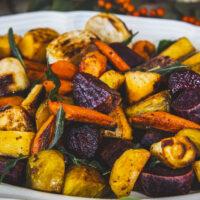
{"points": [[93, 63], [156, 102], [123, 130], [179, 49], [196, 168], [44, 136], [13, 143], [163, 121], [34, 43], [144, 48], [140, 84], [192, 60], [113, 79], [11, 101], [175, 152], [126, 171], [84, 181], [45, 171]]}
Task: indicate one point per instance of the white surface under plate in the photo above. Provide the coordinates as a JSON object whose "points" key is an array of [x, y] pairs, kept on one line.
{"points": [[150, 29]]}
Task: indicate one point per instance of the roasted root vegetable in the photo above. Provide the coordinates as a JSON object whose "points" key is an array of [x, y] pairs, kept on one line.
{"points": [[35, 75], [13, 77], [175, 152], [193, 135], [123, 130], [195, 68], [14, 143], [36, 66], [34, 98], [192, 60], [196, 168], [81, 114], [108, 28], [179, 49], [84, 181], [113, 79], [93, 63], [163, 121], [45, 171], [34, 43], [15, 118], [140, 84], [44, 136], [11, 101], [144, 48], [157, 102], [5, 47], [126, 171]]}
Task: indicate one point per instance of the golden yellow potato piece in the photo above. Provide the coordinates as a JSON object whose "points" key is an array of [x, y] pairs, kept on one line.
{"points": [[192, 60], [45, 171], [196, 167]]}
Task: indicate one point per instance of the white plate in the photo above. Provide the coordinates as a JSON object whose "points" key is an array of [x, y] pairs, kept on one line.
{"points": [[150, 29]]}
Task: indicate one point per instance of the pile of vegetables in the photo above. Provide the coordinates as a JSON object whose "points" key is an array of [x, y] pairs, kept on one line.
{"points": [[88, 113]]}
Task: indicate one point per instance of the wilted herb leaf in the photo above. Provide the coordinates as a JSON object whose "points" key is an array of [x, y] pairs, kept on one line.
{"points": [[163, 44], [128, 40]]}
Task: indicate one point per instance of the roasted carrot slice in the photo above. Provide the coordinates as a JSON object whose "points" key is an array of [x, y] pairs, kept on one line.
{"points": [[44, 136], [32, 65], [11, 101], [163, 121], [66, 86], [64, 69], [82, 114], [112, 56], [34, 75]]}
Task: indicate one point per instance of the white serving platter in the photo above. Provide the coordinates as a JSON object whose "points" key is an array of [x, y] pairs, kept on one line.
{"points": [[149, 29]]}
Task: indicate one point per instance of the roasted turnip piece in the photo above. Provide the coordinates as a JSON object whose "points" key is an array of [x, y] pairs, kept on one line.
{"points": [[82, 140], [128, 55], [187, 105], [90, 92], [161, 181], [112, 151], [183, 79], [14, 175]]}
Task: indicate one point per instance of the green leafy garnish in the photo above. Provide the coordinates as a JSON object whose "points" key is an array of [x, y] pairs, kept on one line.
{"points": [[60, 120], [154, 161], [129, 198], [11, 163], [15, 51], [128, 40], [163, 44], [106, 173], [51, 76]]}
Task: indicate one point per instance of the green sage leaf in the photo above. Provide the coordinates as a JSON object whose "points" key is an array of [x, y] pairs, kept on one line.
{"points": [[128, 40], [164, 44]]}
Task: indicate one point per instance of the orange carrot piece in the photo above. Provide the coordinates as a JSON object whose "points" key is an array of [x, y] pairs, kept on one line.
{"points": [[11, 101], [64, 70], [44, 136], [34, 75], [66, 86], [32, 65], [112, 56], [82, 114], [163, 121]]}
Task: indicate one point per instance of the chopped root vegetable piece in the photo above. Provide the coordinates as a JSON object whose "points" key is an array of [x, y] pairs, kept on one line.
{"points": [[163, 121], [117, 61], [82, 114], [32, 65], [34, 75], [193, 60], [44, 136], [10, 101]]}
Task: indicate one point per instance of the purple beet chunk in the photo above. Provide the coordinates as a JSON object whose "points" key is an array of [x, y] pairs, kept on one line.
{"points": [[152, 136], [14, 175], [187, 105], [90, 92], [127, 54], [183, 79], [82, 140], [161, 181]]}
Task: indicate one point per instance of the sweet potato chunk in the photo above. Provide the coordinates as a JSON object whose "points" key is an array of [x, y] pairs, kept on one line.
{"points": [[11, 101], [126, 171]]}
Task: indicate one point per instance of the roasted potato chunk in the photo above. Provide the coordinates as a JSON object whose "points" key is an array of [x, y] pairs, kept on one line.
{"points": [[113, 79], [192, 60], [140, 84], [34, 43], [196, 167], [5, 47], [108, 28], [123, 130], [179, 49], [195, 68], [15, 118], [156, 102], [13, 77], [13, 143], [35, 97], [84, 181], [126, 171], [175, 152], [45, 171]]}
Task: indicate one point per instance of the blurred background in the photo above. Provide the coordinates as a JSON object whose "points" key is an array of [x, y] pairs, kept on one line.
{"points": [[185, 10]]}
